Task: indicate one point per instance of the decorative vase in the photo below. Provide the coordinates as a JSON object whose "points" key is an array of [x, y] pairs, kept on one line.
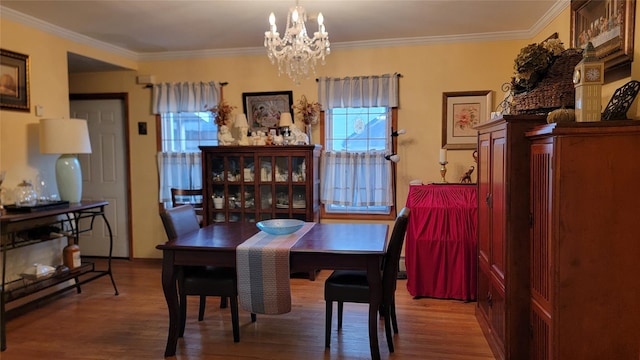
{"points": [[308, 130]]}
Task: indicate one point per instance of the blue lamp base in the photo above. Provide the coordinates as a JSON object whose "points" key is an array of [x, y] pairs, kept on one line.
{"points": [[69, 178]]}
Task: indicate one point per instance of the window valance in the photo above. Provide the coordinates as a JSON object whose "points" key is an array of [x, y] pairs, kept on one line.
{"points": [[185, 96], [358, 91]]}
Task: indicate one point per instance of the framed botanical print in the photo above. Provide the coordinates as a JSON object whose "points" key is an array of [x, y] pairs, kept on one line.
{"points": [[461, 111], [263, 109], [14, 81]]}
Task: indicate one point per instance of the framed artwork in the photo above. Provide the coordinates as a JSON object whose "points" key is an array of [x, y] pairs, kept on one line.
{"points": [[263, 109], [14, 81], [461, 111], [608, 25]]}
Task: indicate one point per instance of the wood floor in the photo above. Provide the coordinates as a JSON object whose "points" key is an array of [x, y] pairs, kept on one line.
{"points": [[98, 325]]}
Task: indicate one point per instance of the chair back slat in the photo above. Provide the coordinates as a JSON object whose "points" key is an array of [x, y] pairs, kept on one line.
{"points": [[392, 257], [179, 220]]}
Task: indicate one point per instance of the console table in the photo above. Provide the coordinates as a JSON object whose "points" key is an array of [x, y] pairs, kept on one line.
{"points": [[440, 249], [20, 229]]}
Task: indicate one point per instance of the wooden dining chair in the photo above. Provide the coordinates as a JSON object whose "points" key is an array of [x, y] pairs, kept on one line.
{"points": [[188, 196], [200, 280], [352, 285]]}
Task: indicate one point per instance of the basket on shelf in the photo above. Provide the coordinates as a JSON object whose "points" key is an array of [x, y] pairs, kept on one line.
{"points": [[554, 91]]}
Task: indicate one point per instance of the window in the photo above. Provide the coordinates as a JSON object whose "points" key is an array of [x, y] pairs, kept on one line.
{"points": [[364, 134], [185, 131], [183, 124], [356, 178], [357, 129], [179, 158]]}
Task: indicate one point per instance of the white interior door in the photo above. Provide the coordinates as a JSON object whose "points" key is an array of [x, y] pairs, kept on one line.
{"points": [[104, 174]]}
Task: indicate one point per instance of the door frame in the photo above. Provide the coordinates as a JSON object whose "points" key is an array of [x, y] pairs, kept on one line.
{"points": [[125, 100]]}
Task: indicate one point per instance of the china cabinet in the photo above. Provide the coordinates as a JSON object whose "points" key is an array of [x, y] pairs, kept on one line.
{"points": [[254, 183], [503, 234], [585, 201]]}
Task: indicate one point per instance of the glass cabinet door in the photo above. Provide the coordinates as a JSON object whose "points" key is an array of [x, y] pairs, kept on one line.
{"points": [[266, 197], [282, 169], [260, 184], [248, 169], [265, 168], [216, 164], [233, 169], [298, 169], [299, 198]]}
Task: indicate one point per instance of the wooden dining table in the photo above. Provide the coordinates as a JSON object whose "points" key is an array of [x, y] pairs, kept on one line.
{"points": [[325, 246]]}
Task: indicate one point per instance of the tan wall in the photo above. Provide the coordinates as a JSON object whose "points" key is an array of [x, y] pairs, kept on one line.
{"points": [[427, 71]]}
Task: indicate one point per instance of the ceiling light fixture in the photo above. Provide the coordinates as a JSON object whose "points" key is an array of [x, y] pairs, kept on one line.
{"points": [[295, 52]]}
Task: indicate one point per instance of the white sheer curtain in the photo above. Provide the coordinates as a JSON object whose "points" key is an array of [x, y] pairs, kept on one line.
{"points": [[359, 91], [356, 179], [350, 178], [185, 96], [181, 170]]}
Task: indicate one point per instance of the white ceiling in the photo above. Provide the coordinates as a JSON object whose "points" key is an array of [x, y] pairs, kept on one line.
{"points": [[145, 29]]}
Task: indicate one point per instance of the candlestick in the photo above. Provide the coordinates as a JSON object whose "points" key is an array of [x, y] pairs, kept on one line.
{"points": [[443, 155], [443, 171]]}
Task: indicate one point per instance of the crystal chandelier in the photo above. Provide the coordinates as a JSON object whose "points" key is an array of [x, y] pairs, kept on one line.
{"points": [[296, 52]]}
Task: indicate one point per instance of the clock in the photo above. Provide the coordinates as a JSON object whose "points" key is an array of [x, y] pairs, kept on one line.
{"points": [[576, 76], [593, 74], [588, 77]]}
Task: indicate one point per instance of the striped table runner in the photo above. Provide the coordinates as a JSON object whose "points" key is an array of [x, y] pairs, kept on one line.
{"points": [[262, 263]]}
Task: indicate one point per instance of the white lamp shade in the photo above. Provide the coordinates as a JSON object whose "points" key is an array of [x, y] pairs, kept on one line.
{"points": [[241, 121], [64, 136], [285, 120]]}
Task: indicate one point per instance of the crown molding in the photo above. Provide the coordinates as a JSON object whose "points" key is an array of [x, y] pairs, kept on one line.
{"points": [[10, 14]]}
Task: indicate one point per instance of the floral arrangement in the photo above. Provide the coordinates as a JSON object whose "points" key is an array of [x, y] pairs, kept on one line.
{"points": [[308, 111], [222, 112], [532, 63]]}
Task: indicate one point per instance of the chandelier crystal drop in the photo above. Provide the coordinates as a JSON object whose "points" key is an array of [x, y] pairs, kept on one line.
{"points": [[296, 52]]}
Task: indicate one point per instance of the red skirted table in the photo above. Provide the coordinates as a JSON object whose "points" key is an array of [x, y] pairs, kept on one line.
{"points": [[440, 251]]}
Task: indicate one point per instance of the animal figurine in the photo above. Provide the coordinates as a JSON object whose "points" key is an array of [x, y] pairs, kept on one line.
{"points": [[466, 178]]}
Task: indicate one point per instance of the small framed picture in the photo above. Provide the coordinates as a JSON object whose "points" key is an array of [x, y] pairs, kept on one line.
{"points": [[14, 81], [263, 109], [461, 111], [609, 26]]}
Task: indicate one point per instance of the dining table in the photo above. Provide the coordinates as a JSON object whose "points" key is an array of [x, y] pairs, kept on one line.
{"points": [[331, 246]]}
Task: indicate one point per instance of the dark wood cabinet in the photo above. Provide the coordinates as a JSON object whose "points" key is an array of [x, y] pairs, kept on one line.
{"points": [[585, 241], [503, 234], [254, 183]]}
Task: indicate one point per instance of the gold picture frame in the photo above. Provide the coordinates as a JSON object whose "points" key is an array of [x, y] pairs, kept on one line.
{"points": [[461, 111], [609, 26], [14, 81]]}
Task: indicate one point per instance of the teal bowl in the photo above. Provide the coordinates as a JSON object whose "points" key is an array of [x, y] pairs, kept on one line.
{"points": [[280, 226]]}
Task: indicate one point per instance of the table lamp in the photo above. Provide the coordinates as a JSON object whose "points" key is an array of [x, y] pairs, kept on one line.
{"points": [[67, 137], [285, 124], [242, 125], [285, 120]]}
